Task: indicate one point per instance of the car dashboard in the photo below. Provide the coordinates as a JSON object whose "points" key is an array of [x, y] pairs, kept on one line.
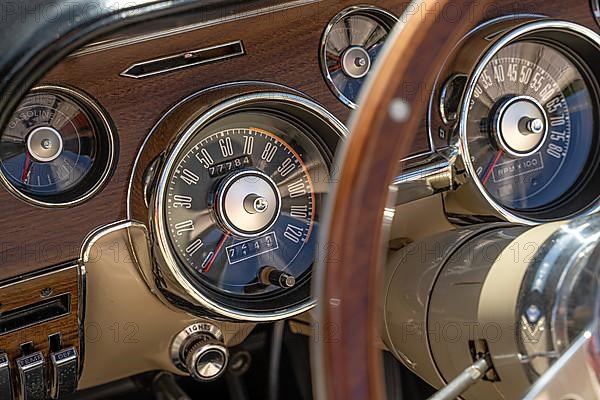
{"points": [[163, 183]]}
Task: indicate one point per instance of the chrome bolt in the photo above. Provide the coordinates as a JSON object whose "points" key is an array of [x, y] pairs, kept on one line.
{"points": [[360, 62], [46, 144], [533, 313], [260, 205], [535, 125]]}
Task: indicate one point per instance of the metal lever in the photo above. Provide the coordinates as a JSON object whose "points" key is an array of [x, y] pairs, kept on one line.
{"points": [[5, 381], [32, 377], [463, 381], [63, 372]]}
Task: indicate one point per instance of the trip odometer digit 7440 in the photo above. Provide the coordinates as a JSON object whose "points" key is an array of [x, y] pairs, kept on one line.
{"points": [[241, 204]]}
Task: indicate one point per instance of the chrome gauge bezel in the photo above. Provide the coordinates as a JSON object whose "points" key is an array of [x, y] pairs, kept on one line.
{"points": [[511, 36], [100, 117], [379, 14], [165, 255]]}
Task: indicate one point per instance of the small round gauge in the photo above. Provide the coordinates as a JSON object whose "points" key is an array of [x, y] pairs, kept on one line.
{"points": [[351, 44], [241, 204], [531, 128], [57, 148]]}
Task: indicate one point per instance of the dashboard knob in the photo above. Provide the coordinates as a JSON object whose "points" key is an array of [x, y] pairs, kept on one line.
{"points": [[206, 359]]}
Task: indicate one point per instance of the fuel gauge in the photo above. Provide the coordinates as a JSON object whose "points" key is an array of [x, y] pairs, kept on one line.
{"points": [[57, 149]]}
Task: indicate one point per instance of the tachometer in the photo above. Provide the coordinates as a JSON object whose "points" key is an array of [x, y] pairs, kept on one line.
{"points": [[530, 128]]}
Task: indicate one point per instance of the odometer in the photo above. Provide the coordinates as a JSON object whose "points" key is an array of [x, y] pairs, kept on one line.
{"points": [[241, 205]]}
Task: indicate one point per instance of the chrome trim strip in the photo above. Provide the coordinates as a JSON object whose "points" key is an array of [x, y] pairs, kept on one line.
{"points": [[187, 54], [106, 124], [596, 10], [98, 233], [127, 41], [81, 315], [504, 40], [429, 175]]}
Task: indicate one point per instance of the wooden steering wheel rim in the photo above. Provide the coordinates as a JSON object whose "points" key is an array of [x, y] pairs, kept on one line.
{"points": [[346, 357]]}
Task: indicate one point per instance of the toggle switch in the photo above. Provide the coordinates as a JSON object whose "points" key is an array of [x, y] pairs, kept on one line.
{"points": [[5, 382], [31, 377], [63, 372]]}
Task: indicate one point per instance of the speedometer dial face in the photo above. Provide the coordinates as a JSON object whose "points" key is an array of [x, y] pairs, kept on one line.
{"points": [[241, 204], [530, 126]]}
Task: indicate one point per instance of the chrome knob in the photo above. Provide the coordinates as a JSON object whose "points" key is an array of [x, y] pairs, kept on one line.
{"points": [[200, 351], [206, 359]]}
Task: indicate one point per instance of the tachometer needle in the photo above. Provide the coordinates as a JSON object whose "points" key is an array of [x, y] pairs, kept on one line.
{"points": [[216, 253], [26, 168], [491, 168]]}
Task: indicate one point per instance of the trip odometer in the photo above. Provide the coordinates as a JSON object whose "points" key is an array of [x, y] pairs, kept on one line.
{"points": [[241, 205], [530, 128]]}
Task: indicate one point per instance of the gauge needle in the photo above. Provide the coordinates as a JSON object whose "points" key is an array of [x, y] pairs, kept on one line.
{"points": [[491, 168], [216, 253], [26, 168]]}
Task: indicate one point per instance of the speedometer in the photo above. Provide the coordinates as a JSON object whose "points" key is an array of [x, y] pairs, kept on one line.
{"points": [[241, 206], [234, 193]]}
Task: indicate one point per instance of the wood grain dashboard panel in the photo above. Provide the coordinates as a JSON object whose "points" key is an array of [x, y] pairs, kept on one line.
{"points": [[281, 47], [31, 290]]}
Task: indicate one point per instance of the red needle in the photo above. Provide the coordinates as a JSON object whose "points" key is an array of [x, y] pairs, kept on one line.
{"points": [[491, 168], [26, 168], [221, 243]]}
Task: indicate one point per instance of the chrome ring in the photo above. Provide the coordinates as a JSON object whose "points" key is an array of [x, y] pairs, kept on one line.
{"points": [[377, 13], [157, 211], [97, 115], [506, 39]]}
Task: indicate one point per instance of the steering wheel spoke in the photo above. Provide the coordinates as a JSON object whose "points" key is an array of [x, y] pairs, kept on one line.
{"points": [[575, 374]]}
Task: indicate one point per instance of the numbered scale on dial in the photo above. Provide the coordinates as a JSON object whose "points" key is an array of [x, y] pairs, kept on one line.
{"points": [[530, 127], [242, 202]]}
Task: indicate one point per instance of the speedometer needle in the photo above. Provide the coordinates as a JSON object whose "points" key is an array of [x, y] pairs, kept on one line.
{"points": [[491, 168], [214, 257]]}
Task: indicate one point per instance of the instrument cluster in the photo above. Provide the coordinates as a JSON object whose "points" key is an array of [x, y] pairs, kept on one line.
{"points": [[239, 202]]}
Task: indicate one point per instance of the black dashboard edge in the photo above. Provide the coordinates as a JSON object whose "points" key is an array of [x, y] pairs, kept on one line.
{"points": [[59, 27]]}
